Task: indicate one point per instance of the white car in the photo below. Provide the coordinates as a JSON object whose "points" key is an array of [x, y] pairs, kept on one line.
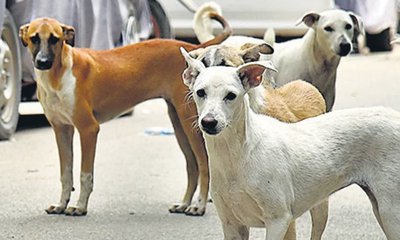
{"points": [[250, 17]]}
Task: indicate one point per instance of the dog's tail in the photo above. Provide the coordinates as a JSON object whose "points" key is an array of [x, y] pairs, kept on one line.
{"points": [[269, 36], [202, 24]]}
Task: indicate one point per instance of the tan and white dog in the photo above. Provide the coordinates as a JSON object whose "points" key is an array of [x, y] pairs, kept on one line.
{"points": [[293, 102], [313, 58], [82, 88], [266, 173]]}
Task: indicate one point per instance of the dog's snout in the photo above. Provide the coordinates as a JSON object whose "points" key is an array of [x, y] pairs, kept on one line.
{"points": [[43, 64], [209, 124], [345, 48]]}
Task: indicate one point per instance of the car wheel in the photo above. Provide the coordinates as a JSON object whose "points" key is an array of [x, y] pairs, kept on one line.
{"points": [[160, 21], [10, 77]]}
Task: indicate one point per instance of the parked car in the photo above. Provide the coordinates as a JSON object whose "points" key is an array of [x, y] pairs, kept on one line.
{"points": [[10, 73], [249, 17]]}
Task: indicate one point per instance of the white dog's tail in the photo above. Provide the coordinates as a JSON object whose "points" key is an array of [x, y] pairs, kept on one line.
{"points": [[202, 23], [269, 36]]}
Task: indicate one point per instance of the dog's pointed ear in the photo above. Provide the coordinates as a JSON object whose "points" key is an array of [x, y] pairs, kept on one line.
{"points": [[69, 34], [192, 70], [309, 19], [251, 53], [23, 30], [358, 23], [250, 74], [196, 53]]}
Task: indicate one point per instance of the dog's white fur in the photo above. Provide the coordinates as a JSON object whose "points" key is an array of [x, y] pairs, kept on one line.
{"points": [[290, 103], [313, 58], [265, 173]]}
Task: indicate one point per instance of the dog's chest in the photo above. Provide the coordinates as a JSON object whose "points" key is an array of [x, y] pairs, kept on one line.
{"points": [[230, 186], [58, 104], [238, 200]]}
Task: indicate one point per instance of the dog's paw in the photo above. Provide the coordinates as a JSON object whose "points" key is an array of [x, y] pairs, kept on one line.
{"points": [[178, 208], [75, 211], [195, 210], [55, 209]]}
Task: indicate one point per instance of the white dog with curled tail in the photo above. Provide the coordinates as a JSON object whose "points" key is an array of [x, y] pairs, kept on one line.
{"points": [[265, 173]]}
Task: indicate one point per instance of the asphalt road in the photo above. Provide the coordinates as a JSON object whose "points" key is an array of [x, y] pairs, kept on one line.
{"points": [[137, 177]]}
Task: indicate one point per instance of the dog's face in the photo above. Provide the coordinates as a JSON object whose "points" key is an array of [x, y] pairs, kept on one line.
{"points": [[218, 91], [220, 55], [44, 38], [335, 29]]}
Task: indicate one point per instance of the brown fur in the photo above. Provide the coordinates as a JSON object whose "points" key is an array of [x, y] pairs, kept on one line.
{"points": [[112, 81], [294, 102]]}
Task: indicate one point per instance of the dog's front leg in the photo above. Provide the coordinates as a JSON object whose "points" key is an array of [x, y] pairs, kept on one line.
{"points": [[277, 228], [88, 129], [64, 137], [233, 229]]}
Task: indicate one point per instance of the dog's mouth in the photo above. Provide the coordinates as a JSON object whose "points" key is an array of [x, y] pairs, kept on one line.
{"points": [[208, 131], [43, 66]]}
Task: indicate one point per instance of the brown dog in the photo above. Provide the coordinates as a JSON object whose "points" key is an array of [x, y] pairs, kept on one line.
{"points": [[81, 88]]}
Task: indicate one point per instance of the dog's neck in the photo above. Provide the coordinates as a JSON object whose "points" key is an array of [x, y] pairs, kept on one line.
{"points": [[320, 53], [257, 98]]}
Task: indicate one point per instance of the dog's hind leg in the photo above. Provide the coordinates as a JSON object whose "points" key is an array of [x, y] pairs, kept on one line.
{"points": [[187, 114], [374, 203], [386, 209], [319, 217], [191, 165], [64, 137]]}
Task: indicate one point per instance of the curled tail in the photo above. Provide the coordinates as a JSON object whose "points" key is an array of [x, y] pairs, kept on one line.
{"points": [[202, 21]]}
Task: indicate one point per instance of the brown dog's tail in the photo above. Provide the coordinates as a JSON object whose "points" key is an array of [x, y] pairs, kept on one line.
{"points": [[203, 25]]}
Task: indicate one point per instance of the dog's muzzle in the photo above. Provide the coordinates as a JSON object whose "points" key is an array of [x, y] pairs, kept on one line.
{"points": [[209, 124], [43, 61]]}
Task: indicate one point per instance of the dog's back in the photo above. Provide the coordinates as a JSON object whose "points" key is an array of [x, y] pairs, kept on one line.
{"points": [[300, 98]]}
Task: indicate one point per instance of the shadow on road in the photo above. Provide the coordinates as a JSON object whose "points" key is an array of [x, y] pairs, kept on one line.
{"points": [[32, 121]]}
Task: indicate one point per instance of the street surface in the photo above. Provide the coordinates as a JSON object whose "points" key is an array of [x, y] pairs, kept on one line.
{"points": [[137, 177]]}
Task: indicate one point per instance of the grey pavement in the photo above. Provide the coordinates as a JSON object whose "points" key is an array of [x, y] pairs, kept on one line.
{"points": [[137, 177]]}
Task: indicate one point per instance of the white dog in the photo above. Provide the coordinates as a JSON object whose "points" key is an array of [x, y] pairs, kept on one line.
{"points": [[290, 103], [265, 173], [313, 58]]}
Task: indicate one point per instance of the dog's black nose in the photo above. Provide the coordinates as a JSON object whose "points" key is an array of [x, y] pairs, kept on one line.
{"points": [[43, 64], [345, 48], [209, 123]]}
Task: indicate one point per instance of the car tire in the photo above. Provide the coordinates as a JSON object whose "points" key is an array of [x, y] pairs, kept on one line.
{"points": [[10, 77], [160, 21]]}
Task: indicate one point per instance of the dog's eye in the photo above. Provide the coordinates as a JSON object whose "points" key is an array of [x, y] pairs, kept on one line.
{"points": [[230, 96], [53, 40], [348, 27], [329, 29], [201, 93], [35, 39]]}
